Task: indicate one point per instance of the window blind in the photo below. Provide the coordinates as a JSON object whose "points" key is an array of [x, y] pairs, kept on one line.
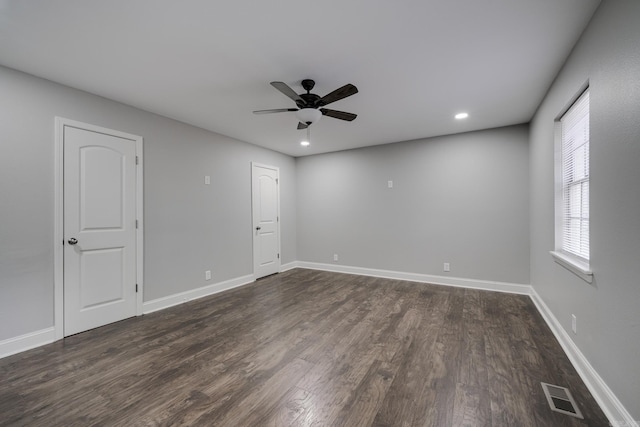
{"points": [[575, 178]]}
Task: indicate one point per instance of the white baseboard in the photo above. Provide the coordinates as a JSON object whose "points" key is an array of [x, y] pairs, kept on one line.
{"points": [[182, 297], [288, 266], [26, 342], [513, 288], [609, 403]]}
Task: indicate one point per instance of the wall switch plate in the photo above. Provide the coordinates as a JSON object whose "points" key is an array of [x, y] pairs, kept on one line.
{"points": [[574, 321], [390, 184], [447, 266], [335, 257], [207, 275], [207, 180]]}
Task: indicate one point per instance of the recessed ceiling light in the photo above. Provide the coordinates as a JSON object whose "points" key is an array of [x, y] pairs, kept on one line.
{"points": [[305, 143], [460, 116]]}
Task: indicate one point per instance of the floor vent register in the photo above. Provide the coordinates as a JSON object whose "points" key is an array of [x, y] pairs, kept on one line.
{"points": [[561, 400]]}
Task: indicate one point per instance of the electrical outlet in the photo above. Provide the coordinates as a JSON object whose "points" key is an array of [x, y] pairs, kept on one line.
{"points": [[574, 321], [335, 257], [447, 266], [207, 275]]}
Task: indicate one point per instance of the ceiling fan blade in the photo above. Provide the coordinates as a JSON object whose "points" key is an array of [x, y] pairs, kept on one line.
{"points": [[277, 110], [338, 114], [285, 89], [338, 94], [302, 125]]}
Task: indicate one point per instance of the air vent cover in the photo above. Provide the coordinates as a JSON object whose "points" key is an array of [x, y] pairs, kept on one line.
{"points": [[561, 400]]}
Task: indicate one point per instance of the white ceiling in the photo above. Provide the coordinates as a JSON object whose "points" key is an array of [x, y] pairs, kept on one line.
{"points": [[209, 63]]}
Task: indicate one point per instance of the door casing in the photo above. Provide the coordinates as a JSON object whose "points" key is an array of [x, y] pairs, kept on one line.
{"points": [[58, 246]]}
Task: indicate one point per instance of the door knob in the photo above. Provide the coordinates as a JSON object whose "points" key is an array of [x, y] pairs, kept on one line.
{"points": [[73, 241], [258, 228]]}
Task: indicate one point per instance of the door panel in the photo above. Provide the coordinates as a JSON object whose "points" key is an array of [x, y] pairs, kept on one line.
{"points": [[101, 188], [100, 213], [101, 273], [268, 193], [268, 249], [266, 231]]}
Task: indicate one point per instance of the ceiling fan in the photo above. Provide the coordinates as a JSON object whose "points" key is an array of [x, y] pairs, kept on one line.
{"points": [[310, 105]]}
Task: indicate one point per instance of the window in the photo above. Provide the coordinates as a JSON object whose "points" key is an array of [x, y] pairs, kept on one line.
{"points": [[572, 183], [575, 178]]}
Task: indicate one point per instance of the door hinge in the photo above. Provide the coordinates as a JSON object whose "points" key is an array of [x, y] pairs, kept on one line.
{"points": [[278, 256], [136, 223], [277, 181], [137, 160], [136, 288]]}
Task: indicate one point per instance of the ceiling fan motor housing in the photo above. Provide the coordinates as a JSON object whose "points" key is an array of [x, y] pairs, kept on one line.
{"points": [[309, 100]]}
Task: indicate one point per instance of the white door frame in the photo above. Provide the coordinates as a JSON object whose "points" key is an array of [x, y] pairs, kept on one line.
{"points": [[58, 233], [277, 169]]}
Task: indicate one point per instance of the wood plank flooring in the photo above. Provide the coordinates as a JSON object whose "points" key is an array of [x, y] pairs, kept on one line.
{"points": [[304, 348]]}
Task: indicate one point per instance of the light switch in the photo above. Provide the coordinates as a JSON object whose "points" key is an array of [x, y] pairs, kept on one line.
{"points": [[390, 184], [207, 180]]}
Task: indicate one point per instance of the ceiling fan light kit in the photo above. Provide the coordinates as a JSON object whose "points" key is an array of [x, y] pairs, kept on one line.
{"points": [[308, 116], [309, 104]]}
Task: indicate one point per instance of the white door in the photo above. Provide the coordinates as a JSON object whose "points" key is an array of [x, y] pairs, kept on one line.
{"points": [[266, 221], [99, 185]]}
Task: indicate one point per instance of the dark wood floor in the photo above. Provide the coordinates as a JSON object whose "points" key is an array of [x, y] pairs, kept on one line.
{"points": [[305, 348]]}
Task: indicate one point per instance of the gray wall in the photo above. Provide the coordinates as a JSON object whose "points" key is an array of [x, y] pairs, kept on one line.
{"points": [[189, 227], [461, 199], [608, 313]]}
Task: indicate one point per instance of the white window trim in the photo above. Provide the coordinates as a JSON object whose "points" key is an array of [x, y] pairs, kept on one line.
{"points": [[573, 264]]}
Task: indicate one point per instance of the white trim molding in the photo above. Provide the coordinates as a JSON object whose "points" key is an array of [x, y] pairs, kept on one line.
{"points": [[573, 264], [288, 266], [139, 225], [26, 342], [182, 297], [609, 403], [513, 288]]}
